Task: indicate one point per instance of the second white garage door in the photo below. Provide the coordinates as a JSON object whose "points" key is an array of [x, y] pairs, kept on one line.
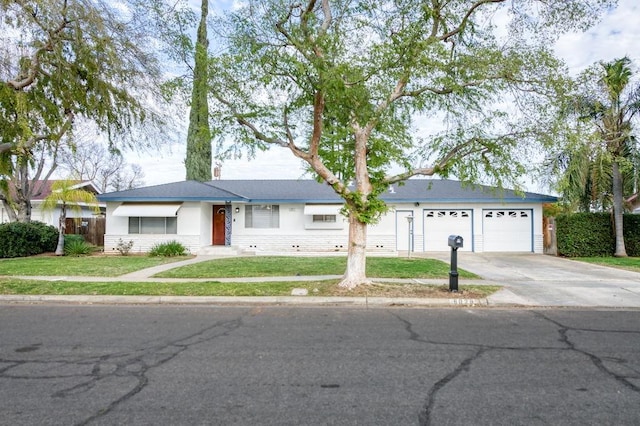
{"points": [[439, 224], [507, 230]]}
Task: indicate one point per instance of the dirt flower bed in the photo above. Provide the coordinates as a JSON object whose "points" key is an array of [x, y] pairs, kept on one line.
{"points": [[415, 290]]}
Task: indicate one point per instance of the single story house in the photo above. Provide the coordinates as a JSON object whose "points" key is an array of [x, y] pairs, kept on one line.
{"points": [[276, 216], [42, 189]]}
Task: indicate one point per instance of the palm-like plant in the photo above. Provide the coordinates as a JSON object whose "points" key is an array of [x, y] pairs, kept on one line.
{"points": [[614, 124], [65, 195], [582, 175], [595, 170]]}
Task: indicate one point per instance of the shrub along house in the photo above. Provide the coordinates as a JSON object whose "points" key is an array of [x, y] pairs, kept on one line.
{"points": [[276, 216]]}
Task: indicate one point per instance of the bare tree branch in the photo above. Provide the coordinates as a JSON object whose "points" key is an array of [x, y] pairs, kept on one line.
{"points": [[52, 40], [466, 17]]}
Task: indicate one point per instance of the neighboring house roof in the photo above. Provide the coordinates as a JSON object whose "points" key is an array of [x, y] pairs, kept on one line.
{"points": [[310, 191], [42, 188]]}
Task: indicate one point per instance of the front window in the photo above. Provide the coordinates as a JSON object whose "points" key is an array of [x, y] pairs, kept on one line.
{"points": [[153, 225], [324, 218], [262, 216]]}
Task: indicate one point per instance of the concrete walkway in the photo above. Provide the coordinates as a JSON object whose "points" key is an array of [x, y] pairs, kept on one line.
{"points": [[528, 280]]}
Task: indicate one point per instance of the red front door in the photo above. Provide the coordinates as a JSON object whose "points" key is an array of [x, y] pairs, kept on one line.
{"points": [[218, 237]]}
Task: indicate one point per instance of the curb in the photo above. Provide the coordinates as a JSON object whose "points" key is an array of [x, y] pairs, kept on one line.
{"points": [[247, 300]]}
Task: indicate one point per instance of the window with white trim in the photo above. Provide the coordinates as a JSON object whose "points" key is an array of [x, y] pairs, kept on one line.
{"points": [[324, 218], [262, 216], [153, 225]]}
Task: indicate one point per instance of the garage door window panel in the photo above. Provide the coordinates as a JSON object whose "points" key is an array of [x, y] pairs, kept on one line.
{"points": [[439, 224], [507, 230]]}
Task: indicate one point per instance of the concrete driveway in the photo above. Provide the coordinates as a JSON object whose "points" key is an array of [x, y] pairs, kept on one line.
{"points": [[541, 280]]}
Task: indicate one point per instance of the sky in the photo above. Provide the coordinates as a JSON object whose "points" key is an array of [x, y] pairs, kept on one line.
{"points": [[615, 36]]}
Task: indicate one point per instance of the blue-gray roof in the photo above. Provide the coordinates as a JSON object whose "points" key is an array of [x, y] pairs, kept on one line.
{"points": [[177, 191], [310, 191]]}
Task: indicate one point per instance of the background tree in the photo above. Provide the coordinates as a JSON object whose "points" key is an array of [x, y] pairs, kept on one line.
{"points": [[340, 84], [64, 195], [174, 22], [62, 60], [582, 175], [108, 170], [198, 161], [128, 177]]}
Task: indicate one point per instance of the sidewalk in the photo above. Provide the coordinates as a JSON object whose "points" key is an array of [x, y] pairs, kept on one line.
{"points": [[146, 275], [528, 280]]}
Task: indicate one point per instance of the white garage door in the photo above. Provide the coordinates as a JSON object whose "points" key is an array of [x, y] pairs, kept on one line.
{"points": [[439, 224], [507, 230]]}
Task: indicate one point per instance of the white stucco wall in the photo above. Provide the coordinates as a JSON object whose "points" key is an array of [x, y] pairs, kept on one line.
{"points": [[191, 219], [477, 214], [50, 217], [297, 232]]}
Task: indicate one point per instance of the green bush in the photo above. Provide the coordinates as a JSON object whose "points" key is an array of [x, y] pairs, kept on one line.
{"points": [[72, 238], [48, 236], [632, 234], [592, 235], [75, 245], [19, 239], [168, 249]]}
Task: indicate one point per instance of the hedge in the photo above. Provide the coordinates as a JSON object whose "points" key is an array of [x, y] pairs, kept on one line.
{"points": [[19, 239], [592, 235]]}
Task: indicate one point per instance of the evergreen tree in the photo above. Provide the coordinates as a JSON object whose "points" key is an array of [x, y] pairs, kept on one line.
{"points": [[198, 161]]}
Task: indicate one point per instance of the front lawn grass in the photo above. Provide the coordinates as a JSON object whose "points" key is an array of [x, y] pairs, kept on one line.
{"points": [[213, 288], [273, 266], [94, 266], [628, 263]]}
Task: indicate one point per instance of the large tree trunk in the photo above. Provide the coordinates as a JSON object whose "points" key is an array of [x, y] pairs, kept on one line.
{"points": [[621, 250], [356, 273], [23, 213]]}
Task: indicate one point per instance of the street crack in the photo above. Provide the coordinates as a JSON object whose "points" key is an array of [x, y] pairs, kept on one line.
{"points": [[598, 362], [134, 364]]}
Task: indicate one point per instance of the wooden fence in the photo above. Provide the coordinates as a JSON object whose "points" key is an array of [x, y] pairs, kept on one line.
{"points": [[549, 235], [91, 228]]}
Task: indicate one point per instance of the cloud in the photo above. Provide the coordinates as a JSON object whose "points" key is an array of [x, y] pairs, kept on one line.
{"points": [[615, 36]]}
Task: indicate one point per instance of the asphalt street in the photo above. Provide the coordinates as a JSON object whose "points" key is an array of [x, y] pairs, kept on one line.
{"points": [[187, 365]]}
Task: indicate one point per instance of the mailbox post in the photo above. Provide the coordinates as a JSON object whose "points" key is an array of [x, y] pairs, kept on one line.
{"points": [[410, 221], [455, 242]]}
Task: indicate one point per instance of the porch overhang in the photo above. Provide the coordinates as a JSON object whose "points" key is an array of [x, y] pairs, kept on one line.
{"points": [[322, 209], [147, 210]]}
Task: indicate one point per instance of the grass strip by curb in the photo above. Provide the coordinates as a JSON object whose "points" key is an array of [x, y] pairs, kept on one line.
{"points": [[14, 286]]}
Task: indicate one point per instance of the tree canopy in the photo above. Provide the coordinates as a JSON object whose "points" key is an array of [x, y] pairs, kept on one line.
{"points": [[370, 93], [62, 60]]}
